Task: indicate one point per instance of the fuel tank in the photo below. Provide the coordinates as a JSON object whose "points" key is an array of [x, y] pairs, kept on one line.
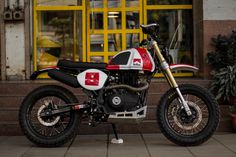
{"points": [[132, 59]]}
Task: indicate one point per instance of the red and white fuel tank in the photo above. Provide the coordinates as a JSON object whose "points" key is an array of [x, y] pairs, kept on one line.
{"points": [[132, 59], [92, 79]]}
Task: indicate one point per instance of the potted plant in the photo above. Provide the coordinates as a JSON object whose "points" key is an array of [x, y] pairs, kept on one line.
{"points": [[223, 62], [224, 87]]}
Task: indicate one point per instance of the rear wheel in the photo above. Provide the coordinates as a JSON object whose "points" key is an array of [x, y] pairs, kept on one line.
{"points": [[186, 130], [48, 131]]}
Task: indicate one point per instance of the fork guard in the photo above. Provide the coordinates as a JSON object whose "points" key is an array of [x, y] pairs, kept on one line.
{"points": [[174, 67]]}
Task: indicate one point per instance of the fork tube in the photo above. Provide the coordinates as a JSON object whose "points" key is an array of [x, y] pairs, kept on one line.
{"points": [[170, 77], [165, 66]]}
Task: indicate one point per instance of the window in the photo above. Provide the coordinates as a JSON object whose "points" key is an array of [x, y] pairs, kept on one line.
{"points": [[115, 29], [176, 32], [58, 32], [176, 28], [96, 30]]}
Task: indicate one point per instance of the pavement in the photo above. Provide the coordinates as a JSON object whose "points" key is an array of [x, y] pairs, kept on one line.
{"points": [[135, 145]]}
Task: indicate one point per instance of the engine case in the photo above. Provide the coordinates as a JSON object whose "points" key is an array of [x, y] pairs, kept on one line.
{"points": [[122, 102]]}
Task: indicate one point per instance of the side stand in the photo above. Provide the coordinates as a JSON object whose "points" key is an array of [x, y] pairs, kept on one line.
{"points": [[116, 140]]}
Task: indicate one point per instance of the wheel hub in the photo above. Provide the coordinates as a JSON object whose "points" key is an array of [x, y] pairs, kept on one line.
{"points": [[49, 120], [185, 118], [186, 122]]}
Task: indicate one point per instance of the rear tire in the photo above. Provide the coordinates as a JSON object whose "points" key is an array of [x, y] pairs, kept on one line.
{"points": [[181, 129], [54, 131]]}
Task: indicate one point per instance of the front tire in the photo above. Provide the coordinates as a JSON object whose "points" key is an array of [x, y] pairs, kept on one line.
{"points": [[52, 131], [182, 129]]}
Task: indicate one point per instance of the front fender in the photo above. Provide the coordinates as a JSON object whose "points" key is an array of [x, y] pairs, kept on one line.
{"points": [[185, 67]]}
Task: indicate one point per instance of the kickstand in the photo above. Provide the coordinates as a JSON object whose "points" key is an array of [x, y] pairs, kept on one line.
{"points": [[116, 140]]}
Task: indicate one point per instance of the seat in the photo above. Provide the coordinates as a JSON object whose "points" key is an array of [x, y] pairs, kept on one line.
{"points": [[72, 66], [150, 28]]}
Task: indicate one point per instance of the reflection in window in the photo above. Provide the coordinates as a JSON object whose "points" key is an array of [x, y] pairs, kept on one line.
{"points": [[114, 42], [96, 3], [96, 20], [114, 20], [59, 2], [132, 3], [176, 30], [114, 3], [166, 2], [56, 38], [132, 20], [97, 59], [132, 40], [109, 58], [96, 43]]}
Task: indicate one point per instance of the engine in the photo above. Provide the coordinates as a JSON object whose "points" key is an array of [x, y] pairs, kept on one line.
{"points": [[121, 100], [125, 93], [128, 80]]}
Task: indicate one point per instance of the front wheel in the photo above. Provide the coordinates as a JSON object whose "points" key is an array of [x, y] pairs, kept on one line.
{"points": [[186, 130]]}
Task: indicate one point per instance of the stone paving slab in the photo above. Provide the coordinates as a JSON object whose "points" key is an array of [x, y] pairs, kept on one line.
{"points": [[46, 152], [135, 145], [211, 148], [14, 146], [159, 146], [88, 146], [228, 140]]}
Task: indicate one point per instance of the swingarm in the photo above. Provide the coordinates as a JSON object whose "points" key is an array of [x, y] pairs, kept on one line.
{"points": [[63, 109]]}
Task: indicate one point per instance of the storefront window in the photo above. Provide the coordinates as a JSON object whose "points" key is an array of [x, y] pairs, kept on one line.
{"points": [[114, 42], [97, 43], [176, 32], [58, 35], [132, 20], [96, 3], [132, 3], [114, 3], [59, 2], [132, 40], [168, 2], [114, 20], [96, 21], [96, 30], [97, 59]]}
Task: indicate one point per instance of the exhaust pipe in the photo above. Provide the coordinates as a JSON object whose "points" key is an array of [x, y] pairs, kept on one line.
{"points": [[64, 78], [134, 89]]}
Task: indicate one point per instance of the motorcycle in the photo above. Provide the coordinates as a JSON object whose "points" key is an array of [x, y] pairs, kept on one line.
{"points": [[50, 115]]}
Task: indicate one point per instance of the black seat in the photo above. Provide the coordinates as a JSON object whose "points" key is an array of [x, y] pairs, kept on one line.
{"points": [[69, 65], [150, 28]]}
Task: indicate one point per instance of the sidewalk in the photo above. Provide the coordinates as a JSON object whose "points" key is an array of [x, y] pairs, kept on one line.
{"points": [[135, 145]]}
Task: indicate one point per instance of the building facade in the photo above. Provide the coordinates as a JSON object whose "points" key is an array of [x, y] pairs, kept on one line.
{"points": [[37, 33]]}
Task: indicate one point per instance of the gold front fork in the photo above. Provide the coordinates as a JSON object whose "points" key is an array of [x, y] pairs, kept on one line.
{"points": [[170, 78], [165, 66]]}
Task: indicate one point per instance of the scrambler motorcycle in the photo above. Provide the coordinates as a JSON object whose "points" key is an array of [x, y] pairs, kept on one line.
{"points": [[117, 92]]}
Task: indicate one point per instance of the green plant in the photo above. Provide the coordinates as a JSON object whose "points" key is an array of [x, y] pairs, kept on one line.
{"points": [[224, 83], [232, 109], [225, 52]]}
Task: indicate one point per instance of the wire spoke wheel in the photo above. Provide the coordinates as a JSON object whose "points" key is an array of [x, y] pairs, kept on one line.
{"points": [[43, 128], [183, 124], [48, 126], [186, 130]]}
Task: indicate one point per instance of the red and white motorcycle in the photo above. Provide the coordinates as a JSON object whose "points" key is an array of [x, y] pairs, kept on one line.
{"points": [[117, 92]]}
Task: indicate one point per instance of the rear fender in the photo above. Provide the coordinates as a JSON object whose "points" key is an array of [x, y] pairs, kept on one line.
{"points": [[38, 72], [185, 67]]}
